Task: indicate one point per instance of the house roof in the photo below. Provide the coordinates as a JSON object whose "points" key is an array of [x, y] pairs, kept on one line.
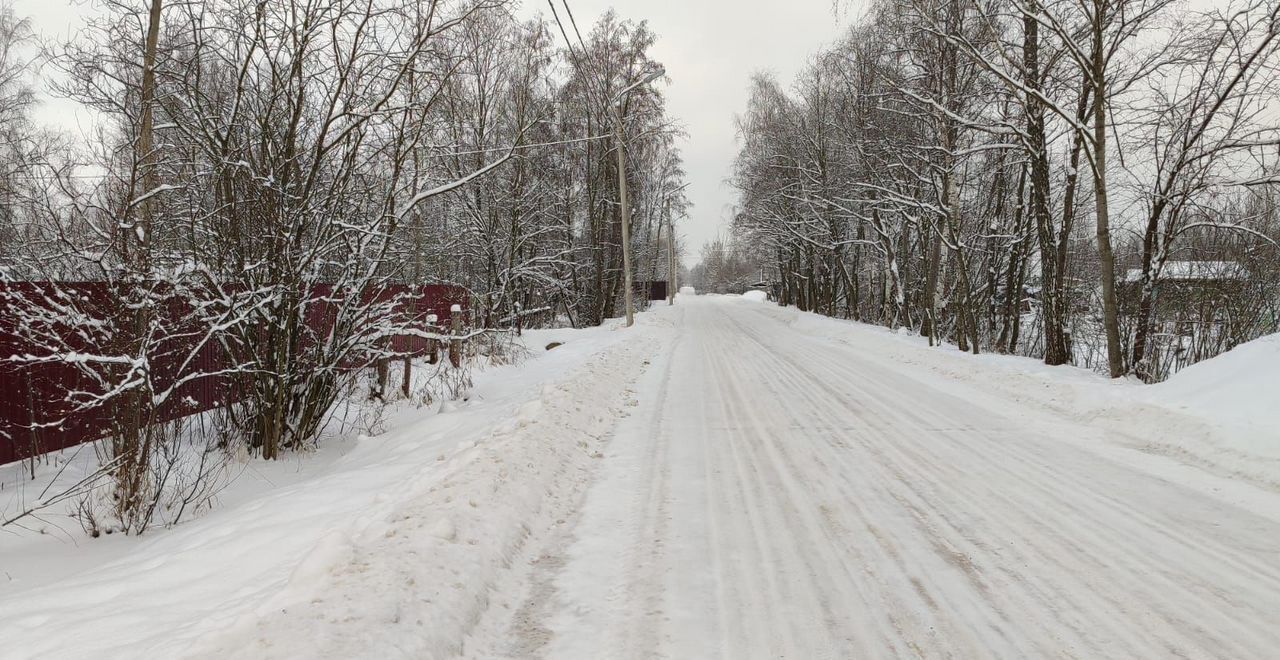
{"points": [[1194, 271]]}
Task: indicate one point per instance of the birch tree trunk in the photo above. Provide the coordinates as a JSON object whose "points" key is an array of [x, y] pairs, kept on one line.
{"points": [[1106, 257]]}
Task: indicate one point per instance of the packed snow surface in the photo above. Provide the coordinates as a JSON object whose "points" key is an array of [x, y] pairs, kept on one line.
{"points": [[738, 481], [792, 487]]}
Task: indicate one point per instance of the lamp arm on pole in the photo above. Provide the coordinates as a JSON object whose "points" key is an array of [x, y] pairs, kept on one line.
{"points": [[652, 76]]}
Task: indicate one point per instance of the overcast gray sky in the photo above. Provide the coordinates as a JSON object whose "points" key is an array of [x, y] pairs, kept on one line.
{"points": [[710, 49]]}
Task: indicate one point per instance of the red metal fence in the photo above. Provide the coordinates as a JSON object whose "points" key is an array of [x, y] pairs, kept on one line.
{"points": [[46, 406]]}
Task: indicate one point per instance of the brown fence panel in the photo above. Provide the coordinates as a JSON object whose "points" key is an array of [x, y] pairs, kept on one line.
{"points": [[32, 395], [39, 410]]}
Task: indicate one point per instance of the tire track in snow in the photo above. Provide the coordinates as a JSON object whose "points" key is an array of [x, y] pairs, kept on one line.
{"points": [[905, 418], [787, 581], [787, 382]]}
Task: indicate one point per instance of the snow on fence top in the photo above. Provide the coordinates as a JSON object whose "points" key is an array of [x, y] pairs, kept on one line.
{"points": [[50, 401]]}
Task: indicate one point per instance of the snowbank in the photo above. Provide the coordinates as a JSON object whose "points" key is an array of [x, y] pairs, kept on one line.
{"points": [[756, 296], [414, 578], [1242, 384], [1237, 394]]}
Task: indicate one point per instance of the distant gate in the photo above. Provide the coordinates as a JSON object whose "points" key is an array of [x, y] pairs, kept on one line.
{"points": [[652, 289]]}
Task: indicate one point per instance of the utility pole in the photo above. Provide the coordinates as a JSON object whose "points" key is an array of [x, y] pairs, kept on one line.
{"points": [[673, 276], [671, 261], [626, 209], [622, 188]]}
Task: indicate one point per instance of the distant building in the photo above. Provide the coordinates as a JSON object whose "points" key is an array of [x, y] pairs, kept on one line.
{"points": [[1194, 272], [1182, 283]]}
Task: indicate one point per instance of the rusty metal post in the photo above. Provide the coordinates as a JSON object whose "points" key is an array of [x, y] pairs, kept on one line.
{"points": [[384, 374], [433, 344], [455, 340]]}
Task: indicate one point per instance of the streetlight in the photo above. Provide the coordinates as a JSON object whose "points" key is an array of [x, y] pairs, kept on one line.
{"points": [[622, 185]]}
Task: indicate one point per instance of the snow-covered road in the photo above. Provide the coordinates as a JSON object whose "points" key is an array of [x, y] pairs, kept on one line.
{"points": [[728, 479], [776, 494]]}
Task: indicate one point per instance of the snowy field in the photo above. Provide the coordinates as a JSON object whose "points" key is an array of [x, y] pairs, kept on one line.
{"points": [[727, 479]]}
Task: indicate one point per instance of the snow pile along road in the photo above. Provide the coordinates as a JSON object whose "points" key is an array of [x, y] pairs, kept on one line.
{"points": [[1241, 385], [414, 576], [1234, 402]]}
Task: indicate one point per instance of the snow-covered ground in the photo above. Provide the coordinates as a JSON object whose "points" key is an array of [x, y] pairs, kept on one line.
{"points": [[469, 478], [726, 479], [1222, 415]]}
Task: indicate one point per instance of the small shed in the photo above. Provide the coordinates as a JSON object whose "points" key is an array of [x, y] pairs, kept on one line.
{"points": [[1183, 282]]}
